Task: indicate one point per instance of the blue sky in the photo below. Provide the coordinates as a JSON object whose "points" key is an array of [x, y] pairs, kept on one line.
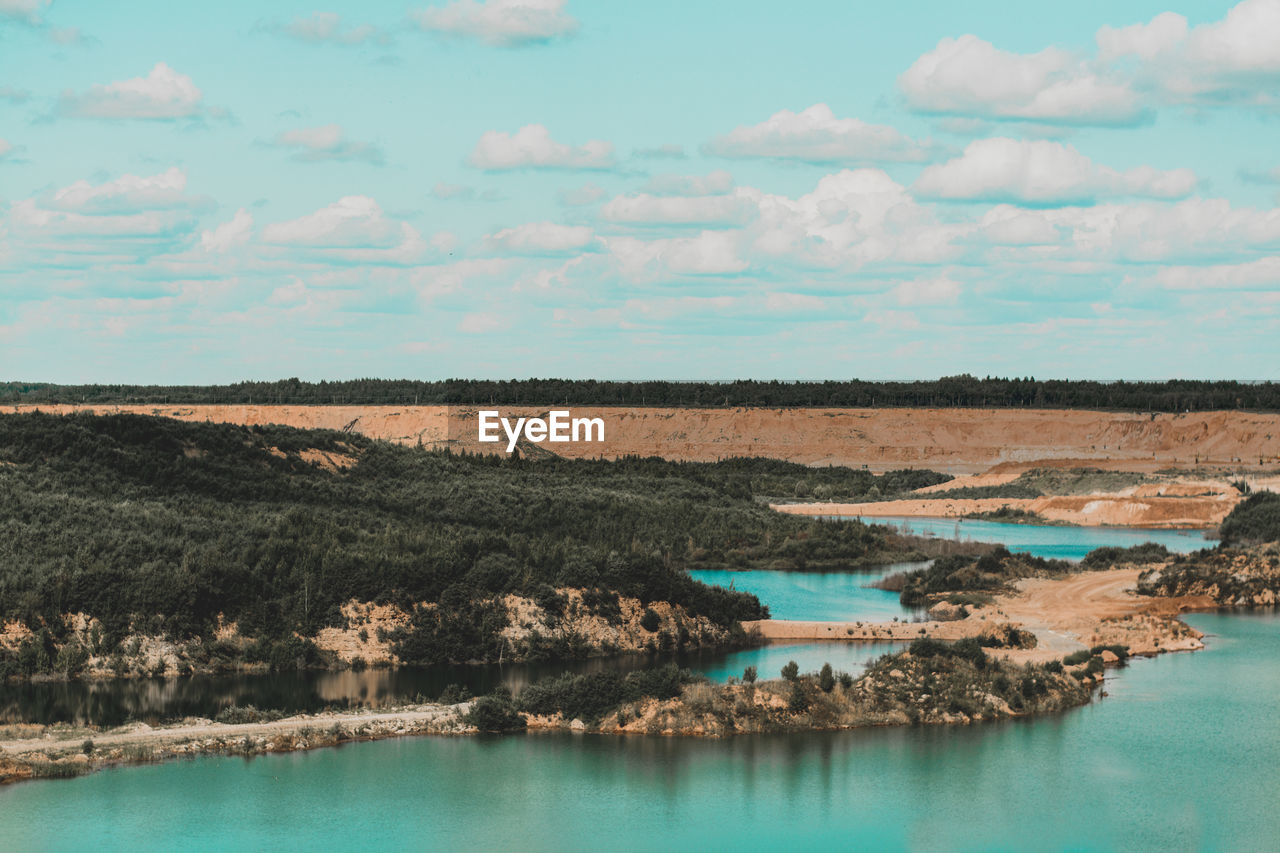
{"points": [[198, 192]]}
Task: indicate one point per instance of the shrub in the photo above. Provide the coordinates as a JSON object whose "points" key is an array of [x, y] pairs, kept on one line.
{"points": [[798, 699], [791, 671], [749, 675], [1077, 658], [1254, 520], [650, 621], [1105, 558], [495, 714], [826, 679]]}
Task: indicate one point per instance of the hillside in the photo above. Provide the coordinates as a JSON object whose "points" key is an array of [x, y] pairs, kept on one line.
{"points": [[955, 441]]}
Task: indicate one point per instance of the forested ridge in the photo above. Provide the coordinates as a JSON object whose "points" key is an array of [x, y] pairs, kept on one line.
{"points": [[1178, 395], [159, 525]]}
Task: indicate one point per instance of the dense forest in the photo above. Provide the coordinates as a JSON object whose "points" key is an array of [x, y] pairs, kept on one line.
{"points": [[952, 391], [162, 525]]}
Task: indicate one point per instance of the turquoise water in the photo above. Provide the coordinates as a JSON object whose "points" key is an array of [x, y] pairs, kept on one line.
{"points": [[1183, 755], [112, 703], [1049, 541], [817, 596]]}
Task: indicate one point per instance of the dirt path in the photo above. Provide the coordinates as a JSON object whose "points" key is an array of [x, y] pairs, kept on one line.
{"points": [[143, 734]]}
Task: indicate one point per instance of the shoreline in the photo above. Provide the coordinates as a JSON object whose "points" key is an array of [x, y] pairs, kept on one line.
{"points": [[1067, 615], [1173, 513]]}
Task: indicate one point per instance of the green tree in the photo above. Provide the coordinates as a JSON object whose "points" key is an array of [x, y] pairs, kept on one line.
{"points": [[826, 678], [749, 675], [791, 671]]}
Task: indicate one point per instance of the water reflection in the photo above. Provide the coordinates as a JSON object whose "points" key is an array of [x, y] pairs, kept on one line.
{"points": [[154, 700]]}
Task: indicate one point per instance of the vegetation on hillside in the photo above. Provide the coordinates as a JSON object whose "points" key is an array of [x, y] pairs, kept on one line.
{"points": [[1253, 521], [1177, 395], [157, 526]]}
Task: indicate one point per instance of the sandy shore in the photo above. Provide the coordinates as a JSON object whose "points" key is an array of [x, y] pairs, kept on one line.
{"points": [[1066, 615], [1177, 512]]}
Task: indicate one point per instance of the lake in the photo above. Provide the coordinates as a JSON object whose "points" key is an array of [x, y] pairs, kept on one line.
{"points": [[1060, 542], [1184, 754]]}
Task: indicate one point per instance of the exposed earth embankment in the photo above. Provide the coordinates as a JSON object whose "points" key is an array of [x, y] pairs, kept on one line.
{"points": [[957, 441]]}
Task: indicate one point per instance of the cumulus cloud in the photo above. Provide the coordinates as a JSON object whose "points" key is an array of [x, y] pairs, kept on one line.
{"points": [[327, 28], [163, 94], [328, 143], [531, 147], [707, 210], [715, 183], [541, 238], [669, 151], [709, 253], [1263, 273], [1233, 60], [1042, 172], [967, 76], [228, 235], [23, 11], [448, 192], [817, 136], [126, 194], [927, 292], [581, 196], [502, 23], [352, 229]]}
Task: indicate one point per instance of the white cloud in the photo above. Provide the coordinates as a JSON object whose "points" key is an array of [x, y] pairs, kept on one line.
{"points": [[1233, 60], [162, 94], [541, 238], [892, 321], [448, 192], [709, 253], [326, 28], [531, 147], [967, 76], [482, 323], [25, 11], [1262, 176], [715, 183], [1042, 172], [5, 147], [581, 196], [328, 143], [668, 151], [503, 23], [645, 209], [1261, 273], [14, 95], [817, 136], [927, 292], [125, 194], [353, 229], [228, 235], [793, 303]]}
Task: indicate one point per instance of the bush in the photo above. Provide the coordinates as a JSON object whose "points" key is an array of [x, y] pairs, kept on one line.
{"points": [[1254, 520], [1105, 558], [1077, 658], [650, 621], [590, 697], [798, 699], [826, 679], [495, 714], [791, 671], [749, 675]]}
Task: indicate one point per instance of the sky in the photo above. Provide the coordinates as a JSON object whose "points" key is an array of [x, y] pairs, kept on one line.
{"points": [[203, 193]]}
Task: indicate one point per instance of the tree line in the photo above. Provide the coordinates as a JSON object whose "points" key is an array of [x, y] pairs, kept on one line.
{"points": [[963, 391]]}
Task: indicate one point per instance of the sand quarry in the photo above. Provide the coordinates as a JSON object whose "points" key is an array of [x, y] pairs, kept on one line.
{"points": [[982, 447]]}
